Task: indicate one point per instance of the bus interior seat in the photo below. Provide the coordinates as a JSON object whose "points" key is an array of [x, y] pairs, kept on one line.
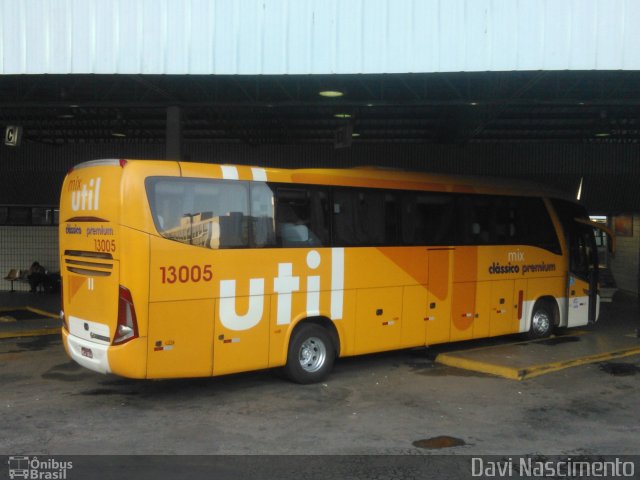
{"points": [[294, 234]]}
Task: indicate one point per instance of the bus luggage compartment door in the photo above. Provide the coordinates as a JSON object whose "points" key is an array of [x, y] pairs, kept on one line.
{"points": [[378, 312], [180, 339], [440, 296], [242, 348]]}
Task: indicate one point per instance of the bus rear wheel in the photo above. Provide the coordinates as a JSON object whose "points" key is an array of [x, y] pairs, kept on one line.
{"points": [[542, 323], [311, 354]]}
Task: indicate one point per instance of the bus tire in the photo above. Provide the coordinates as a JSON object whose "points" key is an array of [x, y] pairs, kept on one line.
{"points": [[542, 322], [311, 354]]}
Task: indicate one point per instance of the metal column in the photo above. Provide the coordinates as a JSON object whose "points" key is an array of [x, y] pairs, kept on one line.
{"points": [[174, 133]]}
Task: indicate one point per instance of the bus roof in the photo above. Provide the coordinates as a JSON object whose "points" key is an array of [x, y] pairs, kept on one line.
{"points": [[373, 177], [390, 178]]}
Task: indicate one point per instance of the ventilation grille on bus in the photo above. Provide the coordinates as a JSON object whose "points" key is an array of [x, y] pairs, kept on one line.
{"points": [[93, 264]]}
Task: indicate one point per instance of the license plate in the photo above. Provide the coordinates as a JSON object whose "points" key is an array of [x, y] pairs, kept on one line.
{"points": [[86, 352]]}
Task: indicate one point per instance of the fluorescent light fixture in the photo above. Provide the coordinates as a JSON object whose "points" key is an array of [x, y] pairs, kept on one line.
{"points": [[342, 115], [118, 134], [603, 134], [579, 195], [330, 93], [355, 134]]}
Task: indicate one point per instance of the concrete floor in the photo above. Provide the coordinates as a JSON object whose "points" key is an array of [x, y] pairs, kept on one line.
{"points": [[379, 404]]}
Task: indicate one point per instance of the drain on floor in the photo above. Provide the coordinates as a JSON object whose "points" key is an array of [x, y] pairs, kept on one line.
{"points": [[619, 369], [442, 441]]}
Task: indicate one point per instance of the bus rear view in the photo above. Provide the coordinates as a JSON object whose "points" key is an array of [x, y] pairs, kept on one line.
{"points": [[97, 330]]}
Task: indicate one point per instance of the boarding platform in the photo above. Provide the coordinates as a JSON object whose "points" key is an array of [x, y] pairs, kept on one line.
{"points": [[521, 360], [614, 336]]}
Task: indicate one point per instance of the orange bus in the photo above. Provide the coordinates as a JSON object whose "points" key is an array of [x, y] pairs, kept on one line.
{"points": [[175, 269]]}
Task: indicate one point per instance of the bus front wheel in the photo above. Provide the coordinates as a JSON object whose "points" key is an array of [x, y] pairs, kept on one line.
{"points": [[541, 320], [311, 354]]}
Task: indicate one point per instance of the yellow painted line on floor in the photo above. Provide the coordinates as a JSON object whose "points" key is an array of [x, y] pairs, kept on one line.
{"points": [[451, 360], [513, 373], [30, 333], [44, 313], [538, 370]]}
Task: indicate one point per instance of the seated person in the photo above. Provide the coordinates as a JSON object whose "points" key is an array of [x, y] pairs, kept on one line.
{"points": [[37, 276]]}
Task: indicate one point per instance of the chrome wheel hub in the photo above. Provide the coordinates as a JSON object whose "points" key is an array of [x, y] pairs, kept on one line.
{"points": [[540, 323], [312, 355]]}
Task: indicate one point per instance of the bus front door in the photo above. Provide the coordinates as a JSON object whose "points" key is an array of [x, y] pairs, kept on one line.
{"points": [[582, 292]]}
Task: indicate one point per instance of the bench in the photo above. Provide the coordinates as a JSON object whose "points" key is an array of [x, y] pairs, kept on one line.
{"points": [[13, 276], [51, 284]]}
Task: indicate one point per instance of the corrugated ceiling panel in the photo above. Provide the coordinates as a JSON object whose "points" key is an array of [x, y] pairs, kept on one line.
{"points": [[583, 42], [631, 54], [505, 34], [82, 49], [316, 36], [426, 36], [530, 39], [374, 32], [610, 22]]}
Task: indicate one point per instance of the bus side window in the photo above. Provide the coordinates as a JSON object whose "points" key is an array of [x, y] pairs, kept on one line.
{"points": [[505, 216], [320, 215], [166, 198], [301, 217], [201, 212], [262, 218], [427, 219], [536, 225], [407, 219], [439, 218], [474, 213], [358, 216], [233, 230], [391, 218]]}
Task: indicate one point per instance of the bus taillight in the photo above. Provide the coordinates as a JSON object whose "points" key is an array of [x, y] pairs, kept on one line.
{"points": [[127, 328]]}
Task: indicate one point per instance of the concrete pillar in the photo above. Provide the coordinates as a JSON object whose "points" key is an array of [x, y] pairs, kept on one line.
{"points": [[174, 133]]}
